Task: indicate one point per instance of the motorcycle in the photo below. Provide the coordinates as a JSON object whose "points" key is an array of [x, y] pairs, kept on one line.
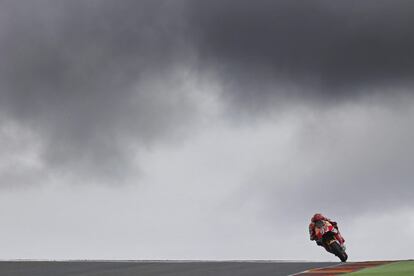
{"points": [[328, 235]]}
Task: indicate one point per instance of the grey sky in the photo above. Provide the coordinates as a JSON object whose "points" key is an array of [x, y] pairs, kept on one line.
{"points": [[206, 123]]}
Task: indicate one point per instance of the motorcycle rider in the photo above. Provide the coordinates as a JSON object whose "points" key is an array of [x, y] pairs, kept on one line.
{"points": [[319, 217]]}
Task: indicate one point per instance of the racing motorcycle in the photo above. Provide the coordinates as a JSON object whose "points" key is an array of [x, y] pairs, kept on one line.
{"points": [[327, 234]]}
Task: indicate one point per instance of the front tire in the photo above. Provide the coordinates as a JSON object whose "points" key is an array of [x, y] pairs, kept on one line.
{"points": [[339, 252]]}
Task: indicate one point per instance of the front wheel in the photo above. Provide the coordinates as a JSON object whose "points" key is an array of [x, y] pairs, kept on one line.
{"points": [[339, 252]]}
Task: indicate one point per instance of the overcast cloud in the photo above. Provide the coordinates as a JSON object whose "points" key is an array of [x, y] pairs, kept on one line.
{"points": [[210, 124]]}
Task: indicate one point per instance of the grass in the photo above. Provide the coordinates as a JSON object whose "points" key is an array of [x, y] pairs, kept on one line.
{"points": [[405, 268]]}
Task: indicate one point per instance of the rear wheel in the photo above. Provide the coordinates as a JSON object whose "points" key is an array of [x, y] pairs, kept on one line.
{"points": [[338, 251]]}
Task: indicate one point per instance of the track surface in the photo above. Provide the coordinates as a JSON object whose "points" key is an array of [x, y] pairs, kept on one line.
{"points": [[132, 268]]}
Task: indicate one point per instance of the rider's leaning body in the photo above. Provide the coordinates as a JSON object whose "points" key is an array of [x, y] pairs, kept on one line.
{"points": [[319, 217]]}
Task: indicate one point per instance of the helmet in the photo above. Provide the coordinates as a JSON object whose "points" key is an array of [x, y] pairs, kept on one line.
{"points": [[317, 217]]}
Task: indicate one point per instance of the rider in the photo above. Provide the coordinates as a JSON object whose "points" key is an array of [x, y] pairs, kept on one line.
{"points": [[319, 217]]}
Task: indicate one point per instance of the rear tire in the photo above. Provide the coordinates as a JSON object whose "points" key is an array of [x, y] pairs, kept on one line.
{"points": [[339, 252]]}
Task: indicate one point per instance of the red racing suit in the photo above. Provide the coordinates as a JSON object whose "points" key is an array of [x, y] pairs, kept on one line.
{"points": [[334, 224]]}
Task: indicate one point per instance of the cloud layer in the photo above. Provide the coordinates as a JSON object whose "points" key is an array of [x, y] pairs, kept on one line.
{"points": [[308, 50], [93, 79]]}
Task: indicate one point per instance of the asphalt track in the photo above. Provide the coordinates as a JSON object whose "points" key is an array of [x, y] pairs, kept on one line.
{"points": [[152, 268]]}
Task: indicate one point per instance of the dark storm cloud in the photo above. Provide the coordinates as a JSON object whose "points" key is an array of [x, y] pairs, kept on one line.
{"points": [[97, 79], [322, 49], [92, 78]]}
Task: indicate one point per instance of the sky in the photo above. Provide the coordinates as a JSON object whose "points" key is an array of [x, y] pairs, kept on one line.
{"points": [[209, 130]]}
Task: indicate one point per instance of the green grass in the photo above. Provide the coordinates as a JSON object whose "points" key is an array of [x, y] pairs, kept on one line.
{"points": [[405, 268]]}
